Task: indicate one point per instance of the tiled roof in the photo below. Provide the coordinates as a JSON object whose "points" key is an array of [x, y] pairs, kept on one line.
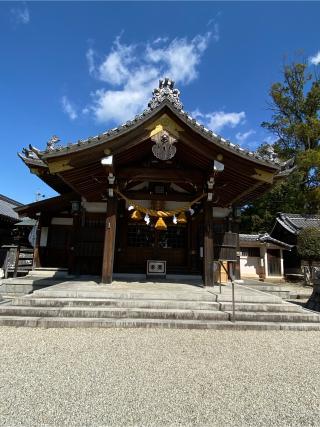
{"points": [[263, 238], [296, 222], [164, 95], [6, 207], [249, 237]]}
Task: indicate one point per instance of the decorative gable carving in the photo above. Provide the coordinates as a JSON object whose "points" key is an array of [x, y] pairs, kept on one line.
{"points": [[163, 148]]}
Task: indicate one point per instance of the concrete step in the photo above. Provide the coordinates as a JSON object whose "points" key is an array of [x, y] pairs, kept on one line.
{"points": [[303, 317], [125, 303], [124, 295], [107, 312], [284, 292], [63, 322], [244, 294], [50, 272], [256, 307]]}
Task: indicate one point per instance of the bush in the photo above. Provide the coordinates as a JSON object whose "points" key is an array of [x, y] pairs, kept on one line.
{"points": [[308, 244]]}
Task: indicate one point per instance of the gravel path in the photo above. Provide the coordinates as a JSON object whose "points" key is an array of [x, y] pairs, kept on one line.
{"points": [[157, 377]]}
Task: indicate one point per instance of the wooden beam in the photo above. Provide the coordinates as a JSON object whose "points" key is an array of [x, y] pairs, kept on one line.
{"points": [[160, 175], [245, 193], [109, 241], [208, 245], [144, 195]]}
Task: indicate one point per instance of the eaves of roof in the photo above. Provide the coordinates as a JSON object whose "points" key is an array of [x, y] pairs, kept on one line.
{"points": [[264, 238], [286, 226], [168, 99]]}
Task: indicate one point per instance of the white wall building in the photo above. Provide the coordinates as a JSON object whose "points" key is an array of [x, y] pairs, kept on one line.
{"points": [[261, 257]]}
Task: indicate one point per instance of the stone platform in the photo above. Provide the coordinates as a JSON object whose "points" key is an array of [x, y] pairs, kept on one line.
{"points": [[86, 303]]}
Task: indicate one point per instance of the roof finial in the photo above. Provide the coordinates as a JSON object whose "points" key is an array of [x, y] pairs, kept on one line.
{"points": [[165, 92], [51, 144]]}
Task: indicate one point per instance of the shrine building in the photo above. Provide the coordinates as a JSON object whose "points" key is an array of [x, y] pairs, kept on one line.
{"points": [[157, 195]]}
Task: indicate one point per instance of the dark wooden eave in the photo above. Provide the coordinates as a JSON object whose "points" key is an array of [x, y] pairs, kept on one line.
{"points": [[54, 204], [41, 169]]}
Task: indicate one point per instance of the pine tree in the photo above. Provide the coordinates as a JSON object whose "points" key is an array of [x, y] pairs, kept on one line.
{"points": [[295, 122]]}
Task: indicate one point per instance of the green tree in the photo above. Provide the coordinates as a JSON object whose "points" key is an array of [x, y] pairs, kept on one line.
{"points": [[308, 244], [295, 106], [295, 122]]}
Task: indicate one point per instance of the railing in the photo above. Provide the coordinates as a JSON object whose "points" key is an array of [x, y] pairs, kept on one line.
{"points": [[233, 282]]}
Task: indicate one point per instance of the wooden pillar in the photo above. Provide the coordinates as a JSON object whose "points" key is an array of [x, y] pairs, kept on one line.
{"points": [[36, 249], [73, 265], [109, 240], [281, 263], [208, 245]]}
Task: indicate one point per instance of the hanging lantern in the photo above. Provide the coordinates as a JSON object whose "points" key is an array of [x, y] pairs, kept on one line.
{"points": [[182, 218], [160, 224], [174, 219], [136, 215]]}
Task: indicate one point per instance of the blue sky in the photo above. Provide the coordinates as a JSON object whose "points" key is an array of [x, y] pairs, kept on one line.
{"points": [[75, 69]]}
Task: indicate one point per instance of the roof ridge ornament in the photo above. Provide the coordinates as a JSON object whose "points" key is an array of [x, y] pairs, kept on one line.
{"points": [[165, 91], [51, 144]]}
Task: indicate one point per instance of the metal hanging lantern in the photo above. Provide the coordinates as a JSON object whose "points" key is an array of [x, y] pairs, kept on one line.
{"points": [[182, 218], [160, 224], [136, 215]]}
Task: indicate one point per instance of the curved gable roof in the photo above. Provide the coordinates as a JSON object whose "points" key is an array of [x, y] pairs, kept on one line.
{"points": [[164, 97]]}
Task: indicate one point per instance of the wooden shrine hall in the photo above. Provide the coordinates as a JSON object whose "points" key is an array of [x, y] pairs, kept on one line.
{"points": [[159, 194]]}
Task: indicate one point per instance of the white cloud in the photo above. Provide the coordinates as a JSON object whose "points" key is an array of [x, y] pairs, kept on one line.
{"points": [[132, 71], [90, 59], [181, 57], [115, 68], [315, 59], [243, 136], [118, 105], [217, 120], [20, 15], [160, 40], [68, 108], [270, 139]]}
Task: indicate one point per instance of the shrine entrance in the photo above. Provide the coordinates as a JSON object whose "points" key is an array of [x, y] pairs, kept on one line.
{"points": [[137, 242]]}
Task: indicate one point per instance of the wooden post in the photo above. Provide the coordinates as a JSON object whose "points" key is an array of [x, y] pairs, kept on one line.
{"points": [[73, 265], [208, 245], [109, 241], [36, 263]]}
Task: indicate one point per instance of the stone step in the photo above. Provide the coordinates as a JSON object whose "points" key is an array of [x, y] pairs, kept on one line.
{"points": [[244, 294], [283, 292], [303, 317], [134, 295], [63, 322], [106, 312], [254, 307], [125, 303], [50, 272]]}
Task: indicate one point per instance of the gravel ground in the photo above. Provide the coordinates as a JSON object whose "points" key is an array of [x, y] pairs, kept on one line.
{"points": [[126, 377]]}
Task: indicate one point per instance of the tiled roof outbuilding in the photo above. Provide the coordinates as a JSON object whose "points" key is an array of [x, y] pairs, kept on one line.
{"points": [[7, 206], [296, 222], [263, 238]]}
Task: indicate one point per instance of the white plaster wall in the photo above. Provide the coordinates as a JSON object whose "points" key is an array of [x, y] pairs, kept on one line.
{"points": [[249, 267]]}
